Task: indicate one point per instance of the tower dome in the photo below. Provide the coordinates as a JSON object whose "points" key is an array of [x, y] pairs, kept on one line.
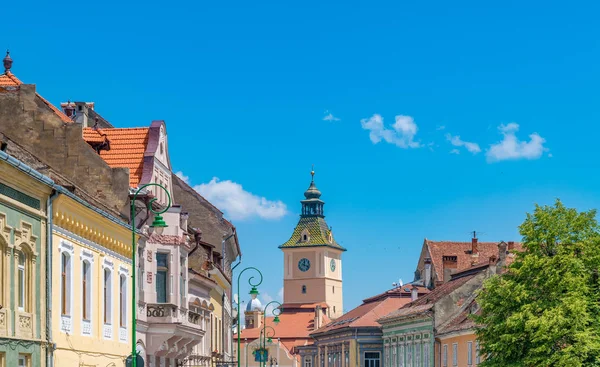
{"points": [[254, 305]]}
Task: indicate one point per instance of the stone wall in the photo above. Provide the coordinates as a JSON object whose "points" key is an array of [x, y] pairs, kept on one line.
{"points": [[31, 123]]}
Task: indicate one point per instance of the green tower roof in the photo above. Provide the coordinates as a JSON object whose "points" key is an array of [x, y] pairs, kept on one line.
{"points": [[312, 230]]}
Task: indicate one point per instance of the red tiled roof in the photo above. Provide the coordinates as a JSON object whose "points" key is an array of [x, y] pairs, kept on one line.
{"points": [[426, 302], [8, 79], [294, 325], [439, 249], [127, 147], [372, 309]]}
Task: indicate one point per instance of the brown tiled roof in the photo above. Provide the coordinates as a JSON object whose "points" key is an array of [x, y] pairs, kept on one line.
{"points": [[426, 302], [372, 309], [8, 79], [439, 249], [127, 147]]}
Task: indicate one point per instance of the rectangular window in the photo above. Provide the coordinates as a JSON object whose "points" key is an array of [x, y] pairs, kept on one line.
{"points": [[307, 362], [23, 360], [401, 356], [445, 356], [455, 354], [372, 359], [469, 353], [107, 297], [477, 360], [65, 284], [426, 354], [2, 364], [85, 290], [409, 355], [418, 355], [123, 301], [162, 271], [22, 286]]}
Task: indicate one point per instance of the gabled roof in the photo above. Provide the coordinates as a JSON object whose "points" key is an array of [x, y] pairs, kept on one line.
{"points": [[371, 309], [318, 234], [127, 147], [8, 79], [462, 321], [462, 251], [427, 302]]}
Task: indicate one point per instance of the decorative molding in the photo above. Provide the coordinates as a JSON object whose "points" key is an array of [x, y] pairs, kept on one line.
{"points": [[66, 326], [101, 249], [123, 270], [123, 334], [86, 327], [66, 246], [86, 255], [108, 264], [20, 197], [107, 331]]}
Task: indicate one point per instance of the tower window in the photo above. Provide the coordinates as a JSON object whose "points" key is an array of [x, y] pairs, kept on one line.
{"points": [[303, 289], [333, 288], [333, 309], [305, 237]]}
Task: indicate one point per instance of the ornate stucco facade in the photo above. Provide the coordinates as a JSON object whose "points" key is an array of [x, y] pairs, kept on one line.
{"points": [[22, 267]]}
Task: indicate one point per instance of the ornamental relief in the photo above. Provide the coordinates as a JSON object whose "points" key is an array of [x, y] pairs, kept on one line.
{"points": [[5, 229]]}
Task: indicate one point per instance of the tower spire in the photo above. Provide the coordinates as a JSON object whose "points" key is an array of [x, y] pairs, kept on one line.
{"points": [[312, 174]]}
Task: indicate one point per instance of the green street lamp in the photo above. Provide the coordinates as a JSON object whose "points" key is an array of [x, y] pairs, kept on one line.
{"points": [[275, 321], [253, 294], [158, 225], [265, 335]]}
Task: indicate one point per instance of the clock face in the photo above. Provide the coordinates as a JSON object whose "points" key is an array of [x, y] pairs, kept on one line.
{"points": [[304, 264], [332, 264]]}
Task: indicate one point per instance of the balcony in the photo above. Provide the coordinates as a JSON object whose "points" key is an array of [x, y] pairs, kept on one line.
{"points": [[172, 330]]}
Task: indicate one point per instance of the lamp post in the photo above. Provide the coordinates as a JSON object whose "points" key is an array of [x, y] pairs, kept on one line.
{"points": [[266, 338], [275, 321], [253, 294], [158, 224]]}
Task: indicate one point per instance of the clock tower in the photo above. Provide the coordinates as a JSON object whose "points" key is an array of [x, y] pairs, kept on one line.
{"points": [[312, 259]]}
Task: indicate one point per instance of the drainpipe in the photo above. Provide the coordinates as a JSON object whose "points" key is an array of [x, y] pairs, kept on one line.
{"points": [[49, 250], [223, 296]]}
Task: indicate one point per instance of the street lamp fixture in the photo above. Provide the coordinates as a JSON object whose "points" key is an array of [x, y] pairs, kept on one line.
{"points": [[276, 320], [276, 312], [158, 225], [253, 294]]}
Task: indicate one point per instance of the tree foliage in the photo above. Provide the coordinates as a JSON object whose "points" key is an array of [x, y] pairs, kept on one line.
{"points": [[544, 311]]}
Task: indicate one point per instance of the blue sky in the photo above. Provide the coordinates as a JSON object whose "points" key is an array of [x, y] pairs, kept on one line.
{"points": [[245, 86]]}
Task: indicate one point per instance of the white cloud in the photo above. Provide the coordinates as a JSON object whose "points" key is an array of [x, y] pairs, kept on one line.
{"points": [[185, 178], [457, 142], [266, 298], [239, 204], [440, 127], [329, 117], [511, 148], [455, 151], [402, 133]]}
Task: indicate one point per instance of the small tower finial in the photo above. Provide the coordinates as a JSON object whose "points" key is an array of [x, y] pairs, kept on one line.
{"points": [[7, 62], [312, 173]]}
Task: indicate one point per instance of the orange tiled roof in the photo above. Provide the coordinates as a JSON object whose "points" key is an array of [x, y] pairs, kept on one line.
{"points": [[439, 249], [8, 79], [292, 325], [127, 147]]}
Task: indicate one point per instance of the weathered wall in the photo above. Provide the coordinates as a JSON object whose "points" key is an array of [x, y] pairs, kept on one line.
{"points": [[27, 120]]}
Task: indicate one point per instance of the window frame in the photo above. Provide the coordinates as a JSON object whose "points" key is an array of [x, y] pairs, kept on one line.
{"points": [[162, 269], [445, 355], [372, 359], [107, 303], [122, 300], [469, 353], [454, 354], [65, 270], [22, 280]]}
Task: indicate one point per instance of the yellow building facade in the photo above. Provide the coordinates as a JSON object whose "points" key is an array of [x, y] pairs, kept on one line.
{"points": [[91, 280]]}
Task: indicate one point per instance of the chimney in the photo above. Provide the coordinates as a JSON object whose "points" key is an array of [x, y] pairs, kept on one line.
{"points": [[427, 281], [511, 245], [183, 221], [450, 264], [81, 113], [474, 249], [492, 265], [414, 293], [501, 257], [318, 317]]}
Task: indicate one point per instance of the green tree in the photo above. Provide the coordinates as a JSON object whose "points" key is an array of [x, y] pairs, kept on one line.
{"points": [[544, 311]]}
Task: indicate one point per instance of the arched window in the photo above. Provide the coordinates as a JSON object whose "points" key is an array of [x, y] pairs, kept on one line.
{"points": [[303, 289], [107, 296], [86, 291], [22, 280], [65, 284], [123, 301]]}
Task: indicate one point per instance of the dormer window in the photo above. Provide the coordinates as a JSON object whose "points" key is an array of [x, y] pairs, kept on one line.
{"points": [[305, 236], [330, 237]]}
